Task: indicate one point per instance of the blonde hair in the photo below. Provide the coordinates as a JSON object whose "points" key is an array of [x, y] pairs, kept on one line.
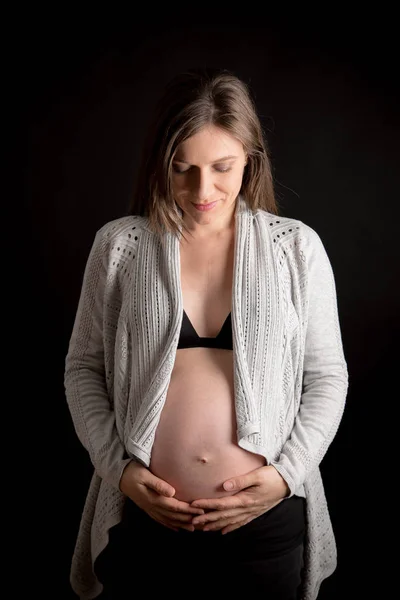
{"points": [[192, 100]]}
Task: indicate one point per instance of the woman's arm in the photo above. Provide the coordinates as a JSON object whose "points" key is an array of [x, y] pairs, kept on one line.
{"points": [[325, 376], [84, 378]]}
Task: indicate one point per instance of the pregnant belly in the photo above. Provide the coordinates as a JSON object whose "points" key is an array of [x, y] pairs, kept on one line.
{"points": [[195, 447]]}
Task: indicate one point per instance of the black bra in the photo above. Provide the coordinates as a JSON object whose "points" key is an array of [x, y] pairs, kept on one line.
{"points": [[189, 338]]}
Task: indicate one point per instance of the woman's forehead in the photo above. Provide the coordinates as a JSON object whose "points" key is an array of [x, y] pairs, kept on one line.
{"points": [[209, 145]]}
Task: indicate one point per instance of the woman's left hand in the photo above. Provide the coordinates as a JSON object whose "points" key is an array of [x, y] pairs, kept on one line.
{"points": [[255, 493]]}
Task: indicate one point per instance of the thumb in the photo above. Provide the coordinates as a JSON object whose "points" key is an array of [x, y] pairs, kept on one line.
{"points": [[160, 486], [239, 483]]}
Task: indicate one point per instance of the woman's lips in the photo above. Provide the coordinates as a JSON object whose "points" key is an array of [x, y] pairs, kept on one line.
{"points": [[203, 207]]}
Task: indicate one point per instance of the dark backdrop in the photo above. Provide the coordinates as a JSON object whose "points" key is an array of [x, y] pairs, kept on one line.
{"points": [[328, 99]]}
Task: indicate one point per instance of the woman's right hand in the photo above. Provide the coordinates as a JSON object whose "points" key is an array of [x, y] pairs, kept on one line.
{"points": [[155, 497]]}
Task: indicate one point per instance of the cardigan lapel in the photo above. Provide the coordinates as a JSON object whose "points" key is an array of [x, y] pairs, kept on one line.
{"points": [[159, 312]]}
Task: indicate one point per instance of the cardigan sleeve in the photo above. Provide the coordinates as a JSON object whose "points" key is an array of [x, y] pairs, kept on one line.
{"points": [[84, 377], [325, 375]]}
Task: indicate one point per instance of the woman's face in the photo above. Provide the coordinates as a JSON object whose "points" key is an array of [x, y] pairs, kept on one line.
{"points": [[207, 168]]}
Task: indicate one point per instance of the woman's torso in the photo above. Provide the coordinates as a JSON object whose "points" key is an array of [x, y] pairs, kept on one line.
{"points": [[195, 447]]}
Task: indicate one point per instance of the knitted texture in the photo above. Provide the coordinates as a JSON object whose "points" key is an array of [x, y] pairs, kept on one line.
{"points": [[290, 373]]}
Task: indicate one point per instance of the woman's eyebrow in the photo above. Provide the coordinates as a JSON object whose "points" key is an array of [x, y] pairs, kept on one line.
{"points": [[212, 163]]}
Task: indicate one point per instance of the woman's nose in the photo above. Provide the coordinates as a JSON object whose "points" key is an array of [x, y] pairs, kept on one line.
{"points": [[203, 185]]}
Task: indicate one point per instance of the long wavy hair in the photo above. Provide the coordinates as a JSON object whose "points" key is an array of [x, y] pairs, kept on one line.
{"points": [[191, 101]]}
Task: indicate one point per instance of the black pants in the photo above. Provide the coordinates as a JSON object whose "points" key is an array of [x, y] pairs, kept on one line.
{"points": [[265, 555]]}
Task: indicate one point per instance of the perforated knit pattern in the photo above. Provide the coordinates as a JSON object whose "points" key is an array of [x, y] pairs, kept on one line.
{"points": [[290, 374]]}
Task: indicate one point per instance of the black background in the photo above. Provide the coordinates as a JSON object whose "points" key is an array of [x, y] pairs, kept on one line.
{"points": [[326, 88]]}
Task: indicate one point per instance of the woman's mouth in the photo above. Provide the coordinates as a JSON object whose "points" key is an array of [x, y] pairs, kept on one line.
{"points": [[203, 207]]}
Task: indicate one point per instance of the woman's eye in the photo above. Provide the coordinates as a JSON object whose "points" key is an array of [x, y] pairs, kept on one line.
{"points": [[219, 169], [179, 171], [222, 169]]}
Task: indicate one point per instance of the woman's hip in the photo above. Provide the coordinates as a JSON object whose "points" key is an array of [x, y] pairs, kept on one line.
{"points": [[273, 533], [265, 554]]}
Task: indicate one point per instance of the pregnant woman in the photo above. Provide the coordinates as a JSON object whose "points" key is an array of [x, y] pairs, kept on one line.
{"points": [[206, 351]]}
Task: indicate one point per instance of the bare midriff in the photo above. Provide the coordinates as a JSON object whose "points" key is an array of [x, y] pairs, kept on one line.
{"points": [[195, 447]]}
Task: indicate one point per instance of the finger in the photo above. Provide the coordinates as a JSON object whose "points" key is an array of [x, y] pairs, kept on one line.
{"points": [[178, 517], [244, 481], [166, 525], [217, 525], [216, 516], [187, 527], [159, 485], [235, 526], [240, 500], [175, 526], [181, 507]]}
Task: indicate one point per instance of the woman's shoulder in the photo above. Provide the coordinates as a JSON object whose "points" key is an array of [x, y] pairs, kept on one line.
{"points": [[129, 227], [286, 227]]}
